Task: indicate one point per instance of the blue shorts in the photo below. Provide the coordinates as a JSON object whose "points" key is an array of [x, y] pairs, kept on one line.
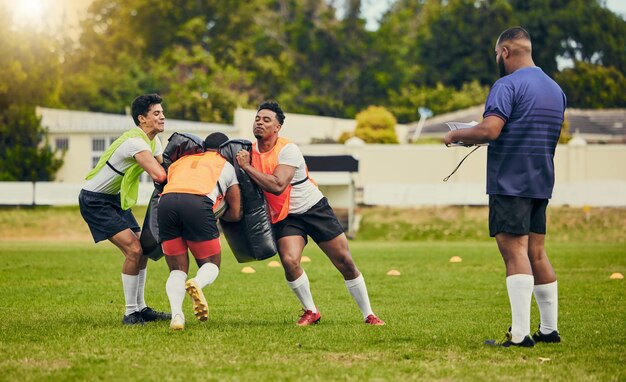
{"points": [[104, 214]]}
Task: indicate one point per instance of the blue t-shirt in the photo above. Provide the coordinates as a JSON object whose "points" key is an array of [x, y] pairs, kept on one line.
{"points": [[520, 162]]}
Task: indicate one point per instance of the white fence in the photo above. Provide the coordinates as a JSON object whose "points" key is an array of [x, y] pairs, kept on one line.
{"points": [[411, 176]]}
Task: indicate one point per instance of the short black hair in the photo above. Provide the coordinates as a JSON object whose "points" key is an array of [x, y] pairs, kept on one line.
{"points": [[214, 140], [514, 33], [273, 106], [141, 105]]}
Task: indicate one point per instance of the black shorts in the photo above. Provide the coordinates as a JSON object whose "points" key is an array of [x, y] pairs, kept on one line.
{"points": [[319, 222], [188, 216], [516, 215], [104, 214]]}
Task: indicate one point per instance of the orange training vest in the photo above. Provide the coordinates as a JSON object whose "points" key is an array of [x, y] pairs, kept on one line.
{"points": [[195, 174], [266, 163]]}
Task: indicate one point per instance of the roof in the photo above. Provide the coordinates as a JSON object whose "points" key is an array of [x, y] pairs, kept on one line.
{"points": [[61, 121], [601, 124]]}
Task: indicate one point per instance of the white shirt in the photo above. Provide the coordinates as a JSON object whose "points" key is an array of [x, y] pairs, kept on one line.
{"points": [[107, 181], [227, 179], [304, 195]]}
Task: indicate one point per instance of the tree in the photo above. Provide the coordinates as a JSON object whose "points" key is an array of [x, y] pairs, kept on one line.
{"points": [[376, 125], [25, 154], [593, 86], [30, 76]]}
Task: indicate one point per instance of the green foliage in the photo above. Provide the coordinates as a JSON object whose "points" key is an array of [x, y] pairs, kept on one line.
{"points": [[206, 58], [376, 125], [25, 154], [440, 99], [593, 86], [566, 134]]}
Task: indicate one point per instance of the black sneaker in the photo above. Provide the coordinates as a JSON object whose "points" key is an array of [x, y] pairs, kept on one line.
{"points": [[148, 314], [552, 337], [133, 319], [527, 342]]}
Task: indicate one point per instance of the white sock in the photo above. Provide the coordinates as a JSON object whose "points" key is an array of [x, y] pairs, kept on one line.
{"points": [[547, 298], [358, 290], [175, 289], [141, 285], [520, 288], [129, 283], [302, 289], [207, 273]]}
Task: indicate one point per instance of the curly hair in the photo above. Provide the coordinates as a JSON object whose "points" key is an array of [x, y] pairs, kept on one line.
{"points": [[141, 105], [273, 106]]}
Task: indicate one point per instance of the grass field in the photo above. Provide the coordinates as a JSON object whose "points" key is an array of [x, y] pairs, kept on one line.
{"points": [[61, 306]]}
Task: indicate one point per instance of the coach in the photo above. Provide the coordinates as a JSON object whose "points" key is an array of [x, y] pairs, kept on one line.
{"points": [[522, 122]]}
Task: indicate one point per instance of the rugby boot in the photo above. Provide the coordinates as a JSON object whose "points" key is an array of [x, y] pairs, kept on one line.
{"points": [[148, 314], [552, 337], [527, 342], [374, 321], [200, 306], [133, 319], [309, 318], [177, 323]]}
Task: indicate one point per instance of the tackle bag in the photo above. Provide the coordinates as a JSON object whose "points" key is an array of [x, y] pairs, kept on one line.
{"points": [[178, 146], [251, 238]]}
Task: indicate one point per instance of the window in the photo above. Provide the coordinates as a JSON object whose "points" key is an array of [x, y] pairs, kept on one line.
{"points": [[98, 145], [62, 143]]}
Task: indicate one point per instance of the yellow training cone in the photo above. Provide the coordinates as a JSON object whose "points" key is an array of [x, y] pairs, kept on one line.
{"points": [[455, 259], [616, 276], [393, 272], [248, 270], [305, 259], [273, 264]]}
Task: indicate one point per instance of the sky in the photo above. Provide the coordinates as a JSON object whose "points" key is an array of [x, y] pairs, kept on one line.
{"points": [[53, 13]]}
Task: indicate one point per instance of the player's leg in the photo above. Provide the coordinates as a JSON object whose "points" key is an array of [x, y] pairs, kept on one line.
{"points": [[509, 223], [290, 252], [324, 227], [546, 288], [208, 257], [339, 254], [202, 236], [178, 262], [175, 249], [130, 247], [147, 313]]}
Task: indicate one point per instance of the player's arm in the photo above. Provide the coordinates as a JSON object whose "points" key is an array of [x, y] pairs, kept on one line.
{"points": [[151, 166], [233, 199], [159, 158], [274, 183], [488, 130]]}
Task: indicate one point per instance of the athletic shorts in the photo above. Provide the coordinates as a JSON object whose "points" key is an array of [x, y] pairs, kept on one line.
{"points": [[186, 216], [516, 215], [319, 222], [104, 214]]}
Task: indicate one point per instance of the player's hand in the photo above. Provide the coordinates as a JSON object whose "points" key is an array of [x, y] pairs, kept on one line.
{"points": [[447, 139], [243, 159]]}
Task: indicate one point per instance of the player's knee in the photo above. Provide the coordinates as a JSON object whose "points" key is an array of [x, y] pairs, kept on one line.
{"points": [[134, 253], [290, 264]]}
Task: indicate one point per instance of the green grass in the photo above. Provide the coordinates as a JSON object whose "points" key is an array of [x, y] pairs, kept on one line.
{"points": [[61, 306]]}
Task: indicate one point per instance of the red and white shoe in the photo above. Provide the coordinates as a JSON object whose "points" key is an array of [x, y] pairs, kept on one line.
{"points": [[309, 318], [373, 320]]}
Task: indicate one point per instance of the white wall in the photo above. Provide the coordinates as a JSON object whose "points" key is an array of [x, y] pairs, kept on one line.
{"points": [[412, 175]]}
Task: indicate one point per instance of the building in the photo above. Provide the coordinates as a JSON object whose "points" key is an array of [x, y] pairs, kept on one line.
{"points": [[594, 126], [84, 136]]}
